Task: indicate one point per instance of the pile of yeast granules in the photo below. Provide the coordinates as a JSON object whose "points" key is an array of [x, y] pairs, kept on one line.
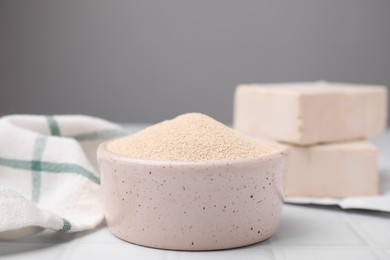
{"points": [[189, 137]]}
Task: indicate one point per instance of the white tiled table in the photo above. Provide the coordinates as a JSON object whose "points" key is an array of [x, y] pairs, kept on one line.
{"points": [[306, 232]]}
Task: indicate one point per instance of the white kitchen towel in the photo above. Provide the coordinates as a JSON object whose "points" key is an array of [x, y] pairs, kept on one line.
{"points": [[48, 172], [379, 203]]}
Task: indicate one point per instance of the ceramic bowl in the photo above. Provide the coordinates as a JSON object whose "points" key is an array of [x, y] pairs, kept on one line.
{"points": [[206, 205]]}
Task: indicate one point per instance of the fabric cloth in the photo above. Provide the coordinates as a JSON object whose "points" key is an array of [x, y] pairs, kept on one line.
{"points": [[48, 172]]}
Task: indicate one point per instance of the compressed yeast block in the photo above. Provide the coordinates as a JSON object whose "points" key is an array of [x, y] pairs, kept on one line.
{"points": [[332, 170], [311, 113]]}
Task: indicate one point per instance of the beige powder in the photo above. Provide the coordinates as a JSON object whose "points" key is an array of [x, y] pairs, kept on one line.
{"points": [[189, 137]]}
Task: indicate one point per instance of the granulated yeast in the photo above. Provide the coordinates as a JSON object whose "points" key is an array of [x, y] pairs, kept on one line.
{"points": [[189, 137]]}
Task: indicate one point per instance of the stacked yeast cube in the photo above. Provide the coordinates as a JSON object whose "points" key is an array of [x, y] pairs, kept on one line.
{"points": [[325, 126]]}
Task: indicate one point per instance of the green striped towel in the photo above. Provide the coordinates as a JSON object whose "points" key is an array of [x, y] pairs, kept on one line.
{"points": [[48, 176]]}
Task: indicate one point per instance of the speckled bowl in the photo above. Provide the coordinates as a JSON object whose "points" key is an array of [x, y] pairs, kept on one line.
{"points": [[193, 205]]}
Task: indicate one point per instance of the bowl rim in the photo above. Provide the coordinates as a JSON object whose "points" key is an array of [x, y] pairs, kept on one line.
{"points": [[279, 151]]}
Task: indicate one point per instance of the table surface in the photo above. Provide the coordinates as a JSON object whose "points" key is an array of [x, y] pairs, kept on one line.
{"points": [[313, 232]]}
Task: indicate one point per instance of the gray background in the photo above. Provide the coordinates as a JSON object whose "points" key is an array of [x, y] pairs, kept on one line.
{"points": [[145, 61]]}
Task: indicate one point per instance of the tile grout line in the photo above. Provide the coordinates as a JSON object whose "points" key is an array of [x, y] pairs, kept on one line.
{"points": [[381, 254], [365, 236], [277, 255]]}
